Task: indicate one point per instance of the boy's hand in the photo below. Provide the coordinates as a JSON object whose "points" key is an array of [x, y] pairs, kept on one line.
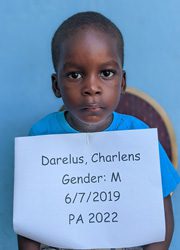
{"points": [[169, 220], [27, 244]]}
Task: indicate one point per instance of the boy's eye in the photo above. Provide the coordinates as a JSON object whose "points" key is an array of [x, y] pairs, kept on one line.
{"points": [[74, 75], [107, 73]]}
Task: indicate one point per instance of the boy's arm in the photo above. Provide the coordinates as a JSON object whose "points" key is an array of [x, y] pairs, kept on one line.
{"points": [[27, 244], [164, 245]]}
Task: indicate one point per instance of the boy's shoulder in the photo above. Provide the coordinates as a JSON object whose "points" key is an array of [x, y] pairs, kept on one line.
{"points": [[50, 124], [126, 122]]}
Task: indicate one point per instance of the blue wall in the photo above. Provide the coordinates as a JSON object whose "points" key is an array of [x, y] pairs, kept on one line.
{"points": [[152, 60]]}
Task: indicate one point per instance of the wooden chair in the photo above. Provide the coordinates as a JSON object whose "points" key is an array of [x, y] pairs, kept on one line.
{"points": [[142, 106]]}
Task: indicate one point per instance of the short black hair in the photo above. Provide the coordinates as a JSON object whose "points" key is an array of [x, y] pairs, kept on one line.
{"points": [[83, 20]]}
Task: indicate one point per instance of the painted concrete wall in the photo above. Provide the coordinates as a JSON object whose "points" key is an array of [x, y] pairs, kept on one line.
{"points": [[152, 60]]}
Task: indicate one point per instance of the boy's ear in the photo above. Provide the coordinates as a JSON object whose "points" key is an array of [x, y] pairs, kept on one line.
{"points": [[55, 86], [123, 82]]}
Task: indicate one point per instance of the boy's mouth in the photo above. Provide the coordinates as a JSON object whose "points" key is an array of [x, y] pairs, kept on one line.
{"points": [[92, 107]]}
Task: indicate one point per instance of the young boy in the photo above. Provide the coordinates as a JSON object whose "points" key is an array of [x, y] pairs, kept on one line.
{"points": [[88, 55]]}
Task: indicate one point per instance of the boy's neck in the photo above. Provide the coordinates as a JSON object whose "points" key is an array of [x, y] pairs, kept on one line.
{"points": [[87, 127]]}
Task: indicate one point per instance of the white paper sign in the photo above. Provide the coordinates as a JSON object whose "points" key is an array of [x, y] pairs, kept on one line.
{"points": [[89, 190]]}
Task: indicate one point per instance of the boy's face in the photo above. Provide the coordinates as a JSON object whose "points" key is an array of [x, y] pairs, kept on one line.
{"points": [[89, 79]]}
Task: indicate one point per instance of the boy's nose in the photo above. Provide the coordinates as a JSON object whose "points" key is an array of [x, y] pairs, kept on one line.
{"points": [[91, 87]]}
